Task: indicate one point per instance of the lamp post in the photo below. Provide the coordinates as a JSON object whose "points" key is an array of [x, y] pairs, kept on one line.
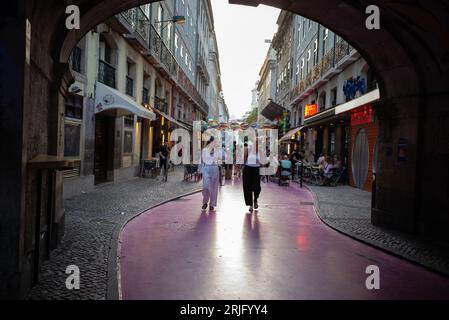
{"points": [[176, 19]]}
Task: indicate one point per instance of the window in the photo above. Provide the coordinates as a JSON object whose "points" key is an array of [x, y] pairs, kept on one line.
{"points": [[75, 59], [322, 102], [325, 36], [334, 97], [176, 43], [74, 106], [145, 96], [304, 28], [128, 141], [72, 138], [129, 121], [168, 33], [105, 50], [160, 17], [302, 68]]}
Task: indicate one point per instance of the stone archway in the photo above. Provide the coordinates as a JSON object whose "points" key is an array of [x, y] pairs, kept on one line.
{"points": [[409, 56]]}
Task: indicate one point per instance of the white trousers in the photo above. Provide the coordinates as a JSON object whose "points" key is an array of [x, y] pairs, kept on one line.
{"points": [[210, 184]]}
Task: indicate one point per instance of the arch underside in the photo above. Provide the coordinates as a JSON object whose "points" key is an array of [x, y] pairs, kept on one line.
{"points": [[412, 44]]}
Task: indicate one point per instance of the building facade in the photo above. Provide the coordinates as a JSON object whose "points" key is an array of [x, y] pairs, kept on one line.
{"points": [[324, 98], [137, 80]]}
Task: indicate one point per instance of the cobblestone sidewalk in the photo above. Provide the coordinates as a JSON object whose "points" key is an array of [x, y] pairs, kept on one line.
{"points": [[348, 210], [91, 220]]}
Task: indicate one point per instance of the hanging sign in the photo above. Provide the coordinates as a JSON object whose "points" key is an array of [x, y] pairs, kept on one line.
{"points": [[362, 115], [310, 110]]}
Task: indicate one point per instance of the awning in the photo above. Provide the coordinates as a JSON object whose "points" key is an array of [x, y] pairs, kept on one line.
{"points": [[107, 98], [360, 101], [166, 116], [272, 110], [290, 133], [320, 117]]}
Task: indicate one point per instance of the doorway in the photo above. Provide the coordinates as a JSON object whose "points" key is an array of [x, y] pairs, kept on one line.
{"points": [[104, 148]]}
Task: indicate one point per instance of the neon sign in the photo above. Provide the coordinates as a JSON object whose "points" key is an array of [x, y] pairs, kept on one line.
{"points": [[310, 110]]}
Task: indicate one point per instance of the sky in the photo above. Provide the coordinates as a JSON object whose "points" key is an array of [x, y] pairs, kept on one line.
{"points": [[241, 33]]}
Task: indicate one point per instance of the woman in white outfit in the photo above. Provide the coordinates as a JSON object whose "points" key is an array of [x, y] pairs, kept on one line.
{"points": [[210, 173]]}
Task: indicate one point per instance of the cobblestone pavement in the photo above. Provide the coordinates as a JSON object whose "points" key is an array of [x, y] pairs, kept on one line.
{"points": [[91, 220], [348, 210]]}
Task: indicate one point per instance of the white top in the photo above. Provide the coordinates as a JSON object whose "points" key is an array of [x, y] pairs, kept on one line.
{"points": [[211, 159], [253, 160]]}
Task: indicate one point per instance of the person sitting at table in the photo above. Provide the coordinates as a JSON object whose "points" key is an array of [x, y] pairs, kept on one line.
{"points": [[285, 167], [295, 158]]}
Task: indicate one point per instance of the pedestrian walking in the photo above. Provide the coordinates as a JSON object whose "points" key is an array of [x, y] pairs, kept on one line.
{"points": [[163, 160], [251, 178], [211, 176]]}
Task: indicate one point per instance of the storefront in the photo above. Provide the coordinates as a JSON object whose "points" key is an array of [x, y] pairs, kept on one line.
{"points": [[290, 141], [363, 146], [118, 134], [363, 139], [325, 133]]}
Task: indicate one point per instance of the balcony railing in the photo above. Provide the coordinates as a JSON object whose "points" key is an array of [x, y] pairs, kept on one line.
{"points": [[330, 59], [138, 22], [161, 52], [129, 86], [201, 66], [342, 49], [106, 73]]}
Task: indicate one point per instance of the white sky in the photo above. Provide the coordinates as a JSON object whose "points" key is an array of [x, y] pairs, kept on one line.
{"points": [[241, 32]]}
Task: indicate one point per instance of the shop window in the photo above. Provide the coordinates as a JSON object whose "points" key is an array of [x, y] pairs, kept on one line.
{"points": [[128, 142], [74, 106]]}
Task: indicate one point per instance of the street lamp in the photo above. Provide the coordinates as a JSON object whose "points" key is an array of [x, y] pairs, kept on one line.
{"points": [[176, 19]]}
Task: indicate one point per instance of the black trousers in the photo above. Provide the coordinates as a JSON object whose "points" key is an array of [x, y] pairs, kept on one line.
{"points": [[251, 184]]}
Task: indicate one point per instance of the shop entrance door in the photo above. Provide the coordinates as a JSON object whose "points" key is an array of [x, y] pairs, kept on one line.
{"points": [[103, 147]]}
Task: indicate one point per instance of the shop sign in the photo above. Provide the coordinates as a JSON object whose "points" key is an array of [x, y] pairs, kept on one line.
{"points": [[362, 115], [310, 110]]}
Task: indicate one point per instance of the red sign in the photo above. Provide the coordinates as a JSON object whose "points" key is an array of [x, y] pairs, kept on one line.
{"points": [[362, 115], [310, 110]]}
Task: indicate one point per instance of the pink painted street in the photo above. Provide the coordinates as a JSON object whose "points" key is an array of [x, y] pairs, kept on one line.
{"points": [[281, 251]]}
